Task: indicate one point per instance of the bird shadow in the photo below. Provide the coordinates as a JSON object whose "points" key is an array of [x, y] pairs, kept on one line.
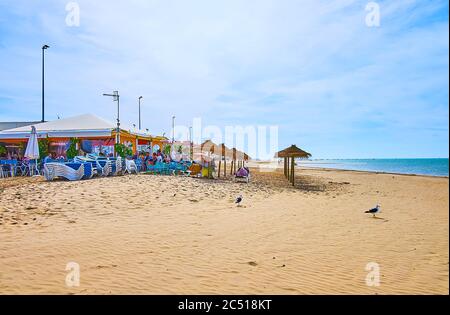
{"points": [[380, 218]]}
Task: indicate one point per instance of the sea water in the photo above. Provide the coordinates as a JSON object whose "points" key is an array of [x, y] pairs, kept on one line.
{"points": [[432, 167]]}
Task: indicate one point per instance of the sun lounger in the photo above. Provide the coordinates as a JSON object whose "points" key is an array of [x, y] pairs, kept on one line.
{"points": [[242, 174], [130, 167], [116, 165], [102, 164], [93, 163], [70, 171]]}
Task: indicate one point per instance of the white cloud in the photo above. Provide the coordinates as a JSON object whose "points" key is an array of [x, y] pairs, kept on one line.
{"points": [[232, 62]]}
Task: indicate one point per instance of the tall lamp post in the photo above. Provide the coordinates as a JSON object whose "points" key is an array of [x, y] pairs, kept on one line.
{"points": [[116, 98], [45, 47], [173, 129], [191, 144], [140, 97]]}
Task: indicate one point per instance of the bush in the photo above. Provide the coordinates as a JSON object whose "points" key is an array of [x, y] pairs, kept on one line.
{"points": [[122, 150], [43, 148], [167, 149], [72, 150], [2, 150]]}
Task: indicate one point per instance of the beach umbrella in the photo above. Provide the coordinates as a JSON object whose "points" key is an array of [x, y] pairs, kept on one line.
{"points": [[208, 146], [32, 151], [291, 154], [222, 150]]}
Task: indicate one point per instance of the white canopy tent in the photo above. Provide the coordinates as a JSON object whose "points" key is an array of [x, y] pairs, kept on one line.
{"points": [[86, 125]]}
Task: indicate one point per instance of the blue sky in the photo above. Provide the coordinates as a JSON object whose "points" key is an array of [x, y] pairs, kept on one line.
{"points": [[334, 86]]}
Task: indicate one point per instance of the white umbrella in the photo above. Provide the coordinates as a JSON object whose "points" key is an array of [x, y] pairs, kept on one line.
{"points": [[32, 151]]}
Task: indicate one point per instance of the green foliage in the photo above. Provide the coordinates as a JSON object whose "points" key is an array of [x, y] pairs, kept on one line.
{"points": [[2, 150], [22, 148], [72, 150], [180, 149], [43, 147], [167, 149], [122, 150]]}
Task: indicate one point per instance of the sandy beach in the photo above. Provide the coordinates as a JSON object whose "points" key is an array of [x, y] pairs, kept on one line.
{"points": [[146, 234]]}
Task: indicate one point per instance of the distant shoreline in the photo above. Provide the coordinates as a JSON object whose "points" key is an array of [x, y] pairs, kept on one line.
{"points": [[370, 172], [279, 166]]}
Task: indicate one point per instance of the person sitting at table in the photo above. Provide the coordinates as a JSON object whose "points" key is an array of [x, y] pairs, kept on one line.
{"points": [[48, 158], [147, 157], [159, 157]]}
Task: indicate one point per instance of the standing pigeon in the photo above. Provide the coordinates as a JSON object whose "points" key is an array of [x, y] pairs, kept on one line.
{"points": [[374, 211], [239, 200]]}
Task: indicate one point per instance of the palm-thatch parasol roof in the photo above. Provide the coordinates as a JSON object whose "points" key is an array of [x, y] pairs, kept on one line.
{"points": [[294, 152], [224, 151], [221, 150], [208, 146], [289, 155]]}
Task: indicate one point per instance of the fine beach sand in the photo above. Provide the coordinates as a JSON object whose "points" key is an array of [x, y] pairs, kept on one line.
{"points": [[145, 234]]}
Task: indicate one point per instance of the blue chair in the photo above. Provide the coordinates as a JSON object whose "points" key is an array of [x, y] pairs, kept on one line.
{"points": [[9, 167], [31, 168], [157, 168]]}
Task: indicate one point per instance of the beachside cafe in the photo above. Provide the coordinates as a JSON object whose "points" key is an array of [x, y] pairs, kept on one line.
{"points": [[95, 135]]}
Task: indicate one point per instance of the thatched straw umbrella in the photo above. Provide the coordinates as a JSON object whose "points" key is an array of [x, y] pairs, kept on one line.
{"points": [[207, 146], [291, 153], [223, 152], [241, 158], [233, 156]]}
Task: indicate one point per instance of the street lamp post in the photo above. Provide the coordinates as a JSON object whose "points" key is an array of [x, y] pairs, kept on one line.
{"points": [[116, 97], [191, 144], [173, 129], [45, 47], [140, 97]]}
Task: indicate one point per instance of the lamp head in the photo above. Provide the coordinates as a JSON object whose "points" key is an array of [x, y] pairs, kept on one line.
{"points": [[45, 47]]}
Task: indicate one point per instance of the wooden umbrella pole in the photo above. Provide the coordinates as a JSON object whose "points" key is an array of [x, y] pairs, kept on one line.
{"points": [[218, 173], [225, 168], [293, 172], [288, 169], [285, 172]]}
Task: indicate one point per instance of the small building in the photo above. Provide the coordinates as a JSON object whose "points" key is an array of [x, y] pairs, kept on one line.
{"points": [[95, 134]]}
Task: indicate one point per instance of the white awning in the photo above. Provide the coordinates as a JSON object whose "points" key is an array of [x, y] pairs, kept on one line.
{"points": [[87, 126]]}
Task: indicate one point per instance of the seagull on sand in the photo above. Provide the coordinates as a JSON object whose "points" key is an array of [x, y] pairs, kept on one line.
{"points": [[374, 211], [239, 200]]}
